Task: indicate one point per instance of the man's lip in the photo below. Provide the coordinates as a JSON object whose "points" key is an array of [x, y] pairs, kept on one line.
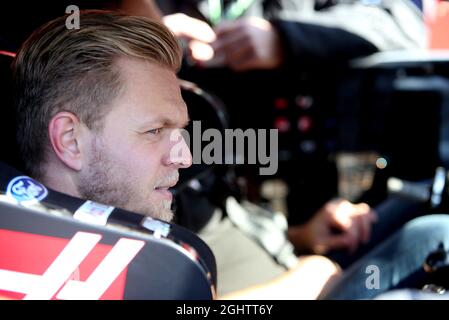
{"points": [[165, 193], [168, 186]]}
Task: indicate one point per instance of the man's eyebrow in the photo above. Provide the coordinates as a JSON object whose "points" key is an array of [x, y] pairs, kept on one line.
{"points": [[166, 122]]}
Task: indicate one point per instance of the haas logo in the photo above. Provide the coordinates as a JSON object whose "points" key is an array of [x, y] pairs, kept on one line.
{"points": [[25, 189], [61, 278]]}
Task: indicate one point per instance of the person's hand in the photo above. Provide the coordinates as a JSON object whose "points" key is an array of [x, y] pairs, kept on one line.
{"points": [[248, 43], [198, 34], [184, 26], [339, 224]]}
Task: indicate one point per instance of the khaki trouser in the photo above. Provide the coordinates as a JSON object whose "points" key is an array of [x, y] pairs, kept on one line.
{"points": [[241, 262]]}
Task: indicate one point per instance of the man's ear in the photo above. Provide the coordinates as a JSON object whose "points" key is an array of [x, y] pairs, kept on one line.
{"points": [[65, 136]]}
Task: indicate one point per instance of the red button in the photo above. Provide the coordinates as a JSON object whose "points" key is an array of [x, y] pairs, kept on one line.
{"points": [[282, 124], [304, 124], [280, 103]]}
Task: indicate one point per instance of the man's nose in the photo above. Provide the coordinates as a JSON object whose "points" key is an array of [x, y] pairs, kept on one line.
{"points": [[179, 153]]}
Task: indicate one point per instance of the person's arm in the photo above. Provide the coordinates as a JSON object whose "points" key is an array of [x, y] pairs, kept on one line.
{"points": [[307, 281], [344, 31], [387, 24], [256, 43], [311, 45]]}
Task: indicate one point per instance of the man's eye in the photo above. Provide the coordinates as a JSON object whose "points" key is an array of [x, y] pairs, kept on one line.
{"points": [[155, 131]]}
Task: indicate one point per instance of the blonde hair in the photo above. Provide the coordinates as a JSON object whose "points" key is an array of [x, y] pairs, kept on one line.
{"points": [[58, 69]]}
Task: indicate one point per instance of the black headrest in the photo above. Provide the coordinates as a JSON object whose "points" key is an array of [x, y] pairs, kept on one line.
{"points": [[88, 261]]}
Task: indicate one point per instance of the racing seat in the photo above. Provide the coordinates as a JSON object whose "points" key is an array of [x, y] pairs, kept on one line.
{"points": [[57, 246]]}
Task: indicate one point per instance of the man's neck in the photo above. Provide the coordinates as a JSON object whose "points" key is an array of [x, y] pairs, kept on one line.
{"points": [[59, 179]]}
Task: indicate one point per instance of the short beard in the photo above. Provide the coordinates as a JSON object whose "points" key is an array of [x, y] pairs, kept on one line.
{"points": [[99, 183]]}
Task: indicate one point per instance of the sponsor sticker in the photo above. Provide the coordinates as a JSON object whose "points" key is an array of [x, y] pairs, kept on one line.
{"points": [[93, 212], [159, 228], [26, 190]]}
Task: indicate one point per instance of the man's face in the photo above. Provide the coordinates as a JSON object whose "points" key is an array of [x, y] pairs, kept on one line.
{"points": [[130, 163]]}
